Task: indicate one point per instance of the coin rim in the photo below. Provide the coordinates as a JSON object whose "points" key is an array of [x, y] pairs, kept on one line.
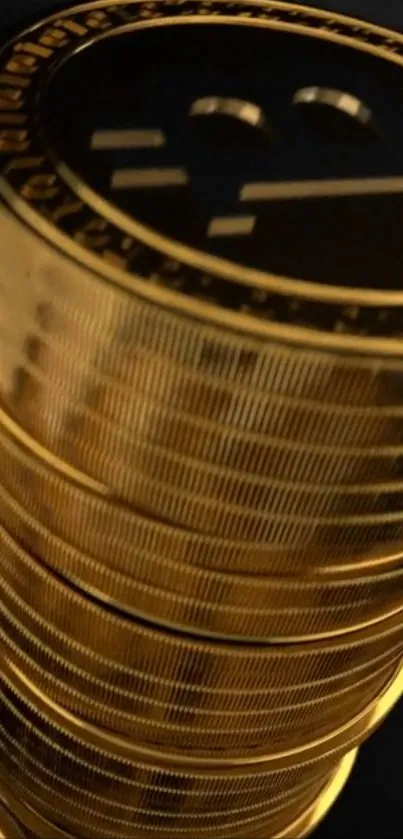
{"points": [[201, 309], [119, 747]]}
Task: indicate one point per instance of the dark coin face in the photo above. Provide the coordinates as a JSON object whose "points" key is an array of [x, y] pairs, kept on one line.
{"points": [[241, 156], [195, 131]]}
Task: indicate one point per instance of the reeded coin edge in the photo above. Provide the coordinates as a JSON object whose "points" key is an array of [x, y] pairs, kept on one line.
{"points": [[86, 574], [311, 819], [76, 596], [297, 830], [8, 827], [123, 592], [29, 817], [72, 474], [355, 730]]}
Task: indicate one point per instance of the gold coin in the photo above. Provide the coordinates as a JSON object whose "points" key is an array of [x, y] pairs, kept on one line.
{"points": [[49, 724], [110, 308], [200, 436], [298, 828], [86, 514], [161, 687], [208, 602]]}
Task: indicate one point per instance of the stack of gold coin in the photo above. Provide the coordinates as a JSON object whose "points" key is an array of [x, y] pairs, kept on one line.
{"points": [[201, 518]]}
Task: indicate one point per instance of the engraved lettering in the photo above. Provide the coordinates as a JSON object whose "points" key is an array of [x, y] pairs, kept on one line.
{"points": [[10, 99], [33, 162], [13, 140], [130, 248], [115, 259], [69, 208], [98, 20], [127, 243], [71, 26], [93, 235], [124, 14], [40, 187], [22, 64], [13, 80], [150, 10], [33, 49], [53, 37]]}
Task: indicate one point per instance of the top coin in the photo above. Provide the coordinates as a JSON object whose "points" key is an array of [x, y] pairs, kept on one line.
{"points": [[238, 156]]}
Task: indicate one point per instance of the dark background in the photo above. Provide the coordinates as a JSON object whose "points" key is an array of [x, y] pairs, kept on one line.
{"points": [[371, 807]]}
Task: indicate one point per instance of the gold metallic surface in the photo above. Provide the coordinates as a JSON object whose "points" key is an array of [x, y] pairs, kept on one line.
{"points": [[115, 652], [9, 829], [261, 783], [201, 518], [310, 820], [25, 461], [345, 491], [214, 602], [299, 828], [217, 604], [184, 364], [266, 14]]}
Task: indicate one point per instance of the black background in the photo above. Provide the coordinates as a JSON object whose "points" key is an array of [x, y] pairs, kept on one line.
{"points": [[371, 807]]}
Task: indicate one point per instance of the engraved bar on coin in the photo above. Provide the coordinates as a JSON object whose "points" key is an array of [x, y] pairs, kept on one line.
{"points": [[148, 178], [231, 226], [127, 139], [296, 190]]}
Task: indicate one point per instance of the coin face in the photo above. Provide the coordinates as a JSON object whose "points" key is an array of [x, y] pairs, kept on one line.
{"points": [[231, 153], [202, 132]]}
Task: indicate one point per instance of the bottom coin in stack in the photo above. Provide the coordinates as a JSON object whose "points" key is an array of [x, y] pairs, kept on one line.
{"points": [[40, 828], [88, 782]]}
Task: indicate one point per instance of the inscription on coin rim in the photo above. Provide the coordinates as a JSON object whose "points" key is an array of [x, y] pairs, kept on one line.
{"points": [[43, 191]]}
